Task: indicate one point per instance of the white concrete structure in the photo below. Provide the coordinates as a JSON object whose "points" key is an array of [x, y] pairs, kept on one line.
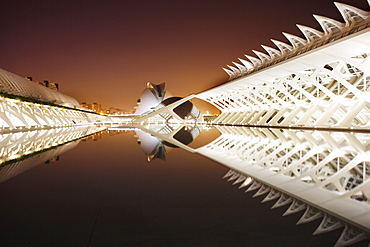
{"points": [[157, 105], [17, 149], [54, 110], [327, 174], [320, 81], [152, 96], [16, 85]]}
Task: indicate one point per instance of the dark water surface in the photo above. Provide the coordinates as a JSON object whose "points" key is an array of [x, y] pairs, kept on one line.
{"points": [[106, 193]]}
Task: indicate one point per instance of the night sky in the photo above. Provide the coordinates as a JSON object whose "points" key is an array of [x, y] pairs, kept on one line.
{"points": [[106, 51]]}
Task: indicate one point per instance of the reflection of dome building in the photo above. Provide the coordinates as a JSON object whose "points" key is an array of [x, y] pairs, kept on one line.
{"points": [[151, 146], [156, 148], [155, 97]]}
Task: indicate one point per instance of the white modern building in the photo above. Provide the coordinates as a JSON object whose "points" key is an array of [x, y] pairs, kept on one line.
{"points": [[26, 105], [156, 105], [321, 79]]}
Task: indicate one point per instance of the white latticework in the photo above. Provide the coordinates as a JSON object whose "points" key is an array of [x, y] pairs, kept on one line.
{"points": [[15, 115], [17, 149], [320, 81], [324, 172], [52, 109]]}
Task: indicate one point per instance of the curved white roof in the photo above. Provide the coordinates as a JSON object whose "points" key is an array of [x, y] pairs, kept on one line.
{"points": [[16, 85]]}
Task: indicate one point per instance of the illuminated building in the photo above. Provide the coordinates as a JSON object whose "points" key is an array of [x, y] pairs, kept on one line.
{"points": [[26, 105], [322, 80], [154, 103]]}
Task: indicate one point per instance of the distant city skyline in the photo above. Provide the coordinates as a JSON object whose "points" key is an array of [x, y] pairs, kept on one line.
{"points": [[106, 52]]}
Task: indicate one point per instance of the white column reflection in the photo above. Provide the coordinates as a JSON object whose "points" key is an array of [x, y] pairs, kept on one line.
{"points": [[325, 173], [22, 151]]}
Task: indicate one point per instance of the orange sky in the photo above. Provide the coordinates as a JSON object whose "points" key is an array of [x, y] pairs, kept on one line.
{"points": [[106, 51]]}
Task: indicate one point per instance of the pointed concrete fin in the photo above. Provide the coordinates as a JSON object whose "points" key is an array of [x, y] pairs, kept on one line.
{"points": [[262, 56], [255, 61], [359, 13], [272, 195], [263, 190], [350, 235], [283, 200], [271, 51], [229, 173], [256, 184], [229, 72], [329, 223], [329, 25], [240, 179], [295, 207], [283, 47], [234, 176], [234, 70], [296, 41], [311, 34], [247, 64], [247, 182], [311, 214], [241, 68]]}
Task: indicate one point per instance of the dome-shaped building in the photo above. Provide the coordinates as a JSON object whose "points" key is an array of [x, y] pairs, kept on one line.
{"points": [[151, 97], [155, 97]]}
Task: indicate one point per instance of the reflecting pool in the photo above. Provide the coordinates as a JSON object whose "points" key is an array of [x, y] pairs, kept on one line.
{"points": [[159, 186]]}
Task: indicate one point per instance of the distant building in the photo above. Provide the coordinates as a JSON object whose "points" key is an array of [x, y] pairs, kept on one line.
{"points": [[52, 85], [95, 107]]}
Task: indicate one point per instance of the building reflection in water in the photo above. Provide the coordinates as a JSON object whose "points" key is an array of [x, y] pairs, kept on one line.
{"points": [[325, 174], [154, 146], [22, 151]]}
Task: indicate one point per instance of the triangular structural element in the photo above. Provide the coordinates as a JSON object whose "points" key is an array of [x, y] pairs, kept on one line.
{"points": [[255, 61], [272, 52], [329, 223], [256, 184], [344, 9], [241, 68], [311, 214], [229, 174], [329, 26], [240, 179], [350, 235], [272, 195], [247, 64], [229, 72], [283, 47], [311, 34], [296, 41], [234, 176], [247, 182], [295, 207], [235, 71], [262, 56], [283, 200], [263, 190]]}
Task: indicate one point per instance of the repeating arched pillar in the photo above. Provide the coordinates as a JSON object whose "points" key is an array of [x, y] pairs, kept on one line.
{"points": [[16, 114]]}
